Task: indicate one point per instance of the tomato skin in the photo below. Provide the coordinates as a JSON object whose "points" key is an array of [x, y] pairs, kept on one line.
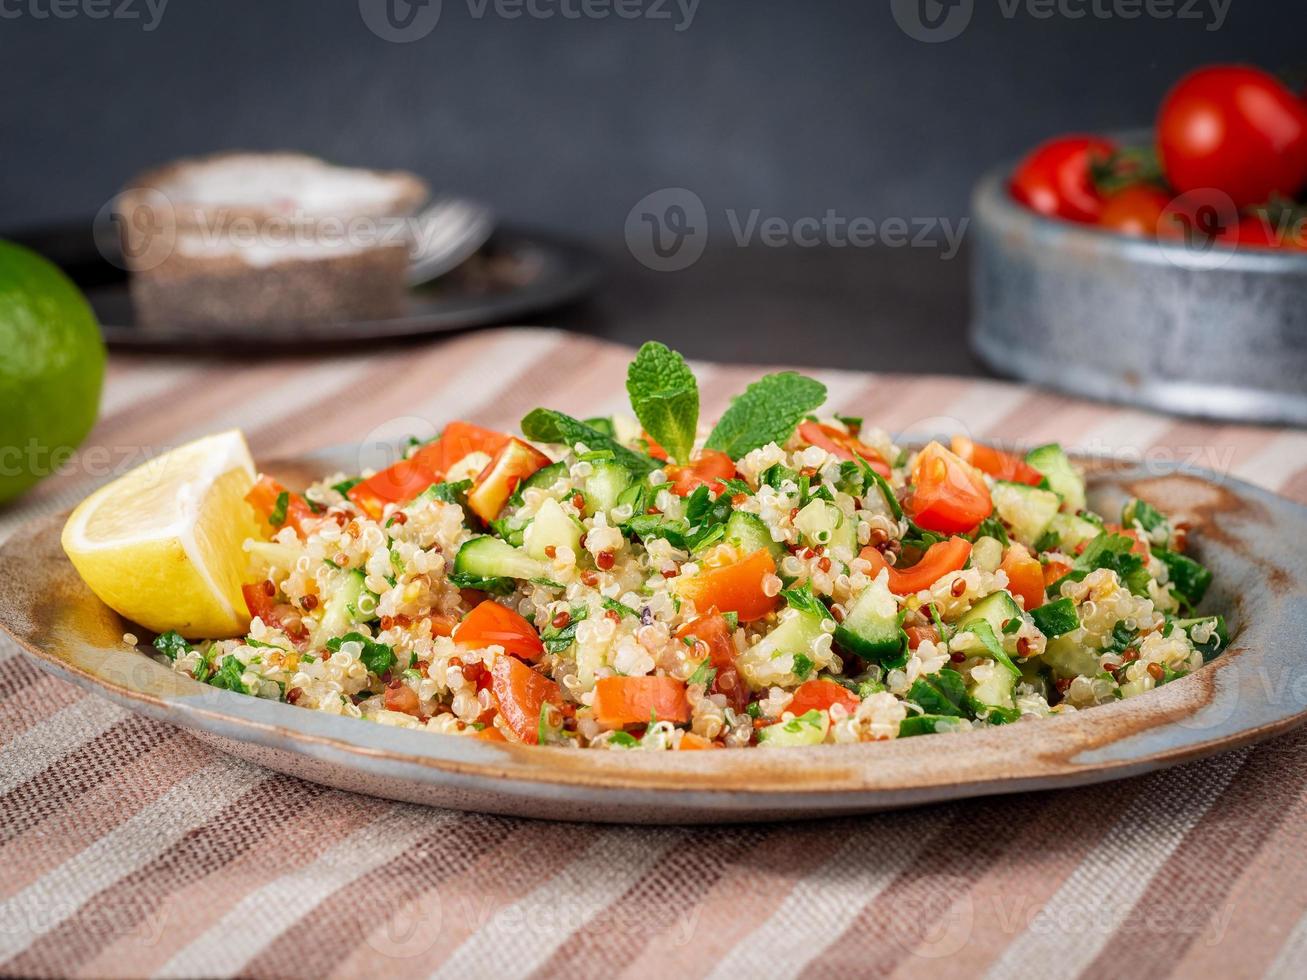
{"points": [[1252, 231], [821, 694], [708, 468], [841, 444], [918, 635], [736, 587], [948, 495], [512, 463], [711, 630], [520, 693], [940, 559], [1054, 178], [1140, 212], [1025, 576], [995, 462], [621, 701], [493, 624], [1234, 128]]}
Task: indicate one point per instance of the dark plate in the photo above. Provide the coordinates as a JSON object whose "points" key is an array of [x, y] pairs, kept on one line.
{"points": [[518, 273]]}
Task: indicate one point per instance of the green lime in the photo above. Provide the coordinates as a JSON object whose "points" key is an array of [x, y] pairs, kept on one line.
{"points": [[51, 369]]}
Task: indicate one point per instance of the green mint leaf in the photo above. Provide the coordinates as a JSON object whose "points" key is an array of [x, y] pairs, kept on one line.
{"points": [[768, 411], [376, 657], [803, 600], [546, 425], [665, 397], [228, 675]]}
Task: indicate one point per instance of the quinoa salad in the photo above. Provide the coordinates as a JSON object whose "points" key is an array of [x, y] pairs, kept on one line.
{"points": [[785, 577]]}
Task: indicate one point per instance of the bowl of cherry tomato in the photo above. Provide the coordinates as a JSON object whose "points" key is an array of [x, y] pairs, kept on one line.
{"points": [[1166, 268]]}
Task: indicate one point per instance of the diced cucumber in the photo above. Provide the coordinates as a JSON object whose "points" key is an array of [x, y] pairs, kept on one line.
{"points": [[545, 477], [871, 627], [809, 728], [748, 533], [817, 522], [995, 609], [1035, 676], [1062, 477], [552, 527], [341, 610], [489, 558], [845, 535], [995, 691], [1072, 531], [771, 660], [1056, 617], [1027, 510], [604, 486], [1068, 658]]}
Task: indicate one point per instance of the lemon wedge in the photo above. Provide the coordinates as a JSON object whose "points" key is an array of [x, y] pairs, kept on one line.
{"points": [[161, 545]]}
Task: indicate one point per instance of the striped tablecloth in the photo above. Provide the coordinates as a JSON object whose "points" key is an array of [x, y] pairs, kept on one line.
{"points": [[128, 848]]}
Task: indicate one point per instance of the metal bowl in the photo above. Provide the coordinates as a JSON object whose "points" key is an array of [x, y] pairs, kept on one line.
{"points": [[1210, 331]]}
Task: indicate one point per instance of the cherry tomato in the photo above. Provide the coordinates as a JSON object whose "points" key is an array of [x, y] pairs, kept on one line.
{"points": [[948, 495], [1025, 576], [821, 694], [491, 624], [841, 444], [940, 559], [1252, 231], [1237, 129], [713, 632], [737, 587], [995, 462], [520, 693], [1140, 211], [513, 463], [1055, 180], [708, 468]]}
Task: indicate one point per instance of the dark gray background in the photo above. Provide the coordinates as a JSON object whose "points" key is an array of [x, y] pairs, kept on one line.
{"points": [[793, 108]]}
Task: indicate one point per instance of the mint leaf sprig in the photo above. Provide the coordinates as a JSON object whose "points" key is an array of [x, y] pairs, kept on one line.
{"points": [[665, 397], [768, 411]]}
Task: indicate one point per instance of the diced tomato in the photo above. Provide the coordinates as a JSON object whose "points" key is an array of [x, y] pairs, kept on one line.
{"points": [[737, 587], [275, 614], [1053, 571], [948, 495], [652, 448], [821, 694], [939, 559], [404, 480], [841, 444], [491, 624], [918, 635], [513, 463], [709, 467], [995, 462], [492, 734], [712, 630], [402, 698], [395, 484], [263, 497], [620, 701], [1025, 576], [521, 692], [443, 624], [691, 742]]}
